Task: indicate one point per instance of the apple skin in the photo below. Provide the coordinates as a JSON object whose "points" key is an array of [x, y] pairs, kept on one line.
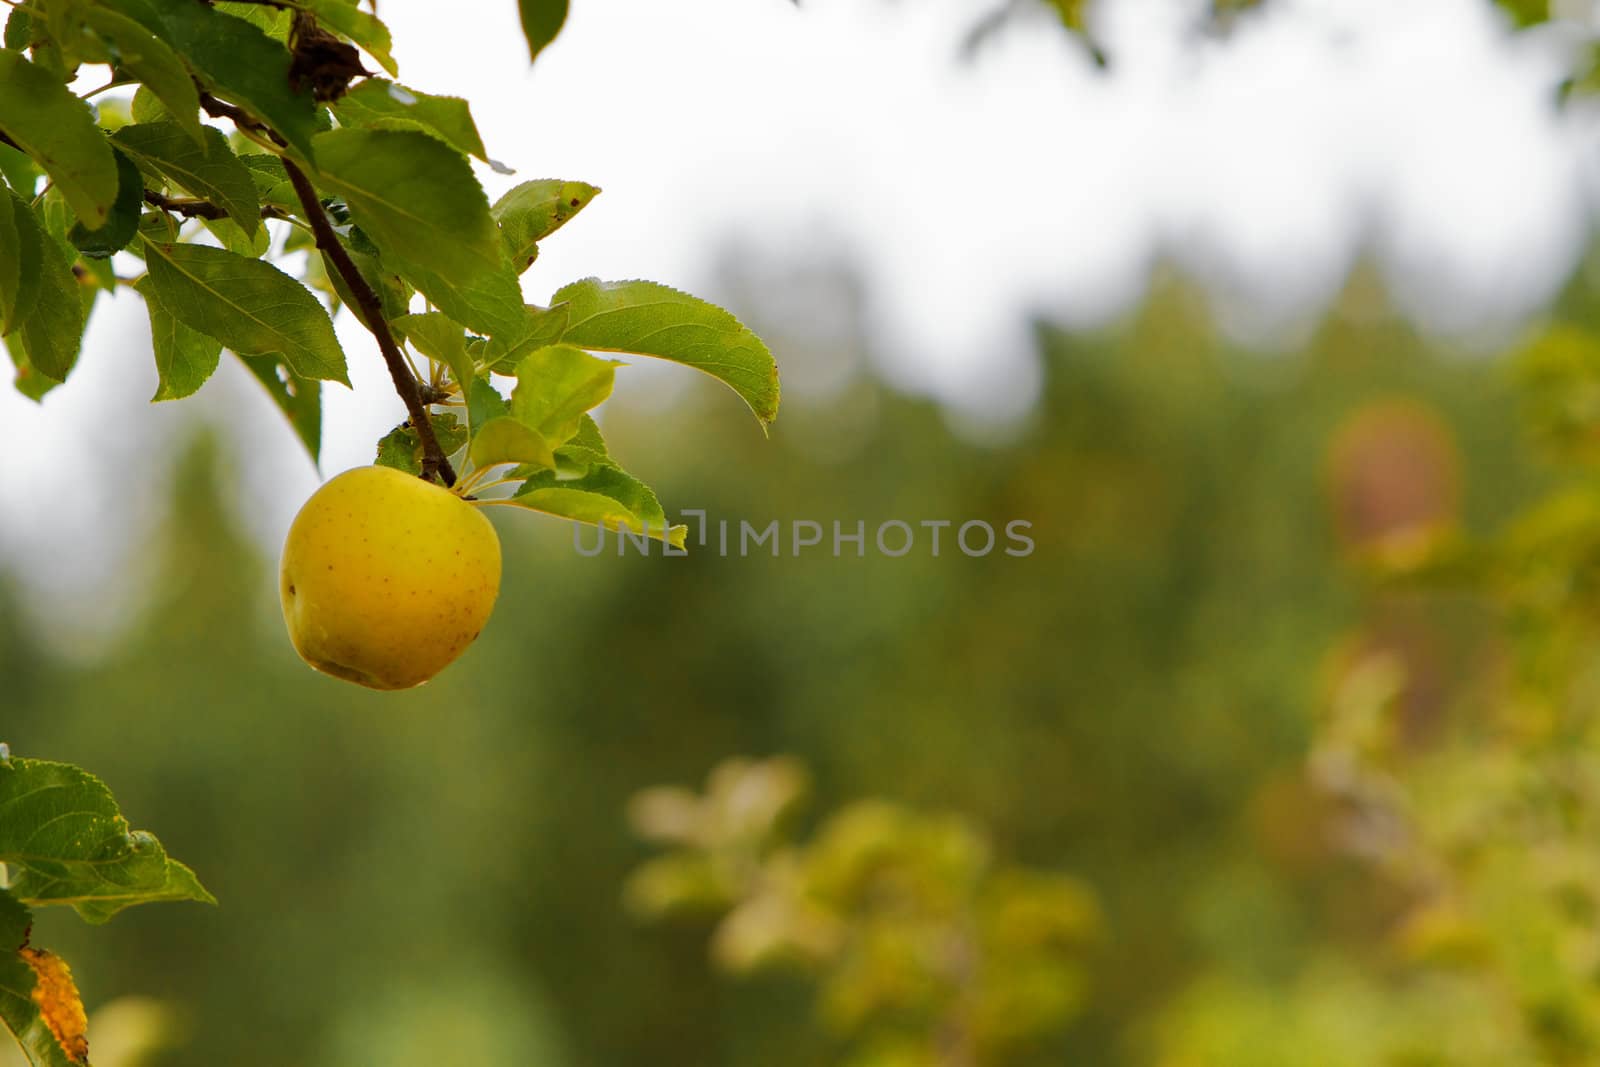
{"points": [[386, 578]]}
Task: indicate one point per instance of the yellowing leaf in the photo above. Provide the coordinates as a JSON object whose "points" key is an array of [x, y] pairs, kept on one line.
{"points": [[56, 996]]}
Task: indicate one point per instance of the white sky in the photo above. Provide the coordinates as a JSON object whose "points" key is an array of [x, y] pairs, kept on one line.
{"points": [[969, 195]]}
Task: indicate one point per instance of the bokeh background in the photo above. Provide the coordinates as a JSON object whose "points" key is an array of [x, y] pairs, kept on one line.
{"points": [[1259, 307]]}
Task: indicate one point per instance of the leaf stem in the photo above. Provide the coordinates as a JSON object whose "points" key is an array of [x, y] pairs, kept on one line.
{"points": [[471, 480], [481, 486], [112, 84]]}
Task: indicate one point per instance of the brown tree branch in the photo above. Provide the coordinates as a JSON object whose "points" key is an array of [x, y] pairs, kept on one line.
{"points": [[434, 461], [200, 209]]}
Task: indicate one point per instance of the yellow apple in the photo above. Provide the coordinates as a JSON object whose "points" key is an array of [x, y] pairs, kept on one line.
{"points": [[387, 578]]}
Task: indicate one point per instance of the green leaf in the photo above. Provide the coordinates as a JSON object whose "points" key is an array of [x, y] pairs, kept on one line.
{"points": [[584, 450], [506, 440], [272, 181], [418, 201], [274, 22], [484, 404], [139, 53], [300, 399], [19, 29], [534, 210], [401, 448], [122, 223], [233, 59], [19, 171], [365, 30], [18, 1011], [211, 172], [147, 107], [19, 263], [541, 21], [252, 307], [101, 273], [606, 496], [654, 320], [51, 321], [28, 381], [235, 240], [394, 295], [185, 358], [65, 842], [588, 438], [555, 386], [441, 339], [377, 104], [58, 130], [1527, 12], [540, 327]]}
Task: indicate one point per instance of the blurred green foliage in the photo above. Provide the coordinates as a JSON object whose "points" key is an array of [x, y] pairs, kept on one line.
{"points": [[1471, 798], [1136, 705], [927, 952]]}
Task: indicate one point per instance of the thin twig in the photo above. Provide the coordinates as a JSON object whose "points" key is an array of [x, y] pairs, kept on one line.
{"points": [[434, 461], [194, 208], [223, 110]]}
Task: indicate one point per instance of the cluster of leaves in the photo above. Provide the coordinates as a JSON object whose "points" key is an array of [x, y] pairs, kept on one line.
{"points": [[367, 181], [63, 841], [368, 184], [926, 952]]}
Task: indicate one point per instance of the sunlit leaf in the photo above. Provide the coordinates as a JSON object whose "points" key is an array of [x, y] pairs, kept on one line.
{"points": [[540, 327], [555, 386], [532, 211], [441, 339], [484, 404], [382, 105], [606, 496], [420, 203], [505, 439], [653, 320]]}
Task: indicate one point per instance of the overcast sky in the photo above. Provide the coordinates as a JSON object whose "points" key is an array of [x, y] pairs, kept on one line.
{"points": [[970, 194]]}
